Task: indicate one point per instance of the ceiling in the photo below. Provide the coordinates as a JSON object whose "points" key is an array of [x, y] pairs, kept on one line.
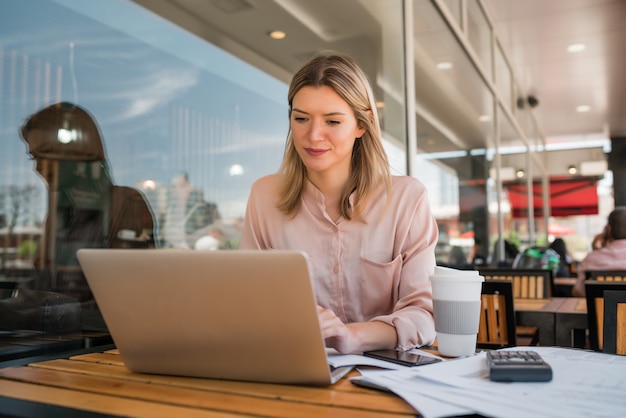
{"points": [[534, 34]]}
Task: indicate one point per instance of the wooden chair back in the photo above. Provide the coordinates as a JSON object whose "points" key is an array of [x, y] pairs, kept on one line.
{"points": [[497, 316], [614, 330], [527, 283], [606, 275], [594, 293]]}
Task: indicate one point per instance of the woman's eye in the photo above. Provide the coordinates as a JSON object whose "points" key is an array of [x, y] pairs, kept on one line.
{"points": [[333, 122], [299, 119]]}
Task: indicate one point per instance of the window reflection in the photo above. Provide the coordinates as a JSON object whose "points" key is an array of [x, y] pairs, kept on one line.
{"points": [[167, 104], [91, 89]]}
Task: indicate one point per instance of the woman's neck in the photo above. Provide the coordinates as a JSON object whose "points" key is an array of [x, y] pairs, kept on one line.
{"points": [[332, 188], [331, 185]]}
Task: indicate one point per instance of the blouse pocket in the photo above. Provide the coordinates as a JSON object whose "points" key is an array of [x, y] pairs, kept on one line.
{"points": [[379, 286]]}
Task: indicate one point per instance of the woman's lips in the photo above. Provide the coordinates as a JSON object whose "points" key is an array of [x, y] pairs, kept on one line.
{"points": [[315, 152]]}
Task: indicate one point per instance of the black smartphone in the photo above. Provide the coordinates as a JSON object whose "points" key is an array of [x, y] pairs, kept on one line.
{"points": [[404, 358]]}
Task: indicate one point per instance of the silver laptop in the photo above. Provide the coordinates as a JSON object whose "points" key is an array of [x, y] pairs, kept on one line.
{"points": [[238, 315]]}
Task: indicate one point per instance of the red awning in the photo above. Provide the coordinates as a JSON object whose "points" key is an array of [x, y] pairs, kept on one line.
{"points": [[568, 196]]}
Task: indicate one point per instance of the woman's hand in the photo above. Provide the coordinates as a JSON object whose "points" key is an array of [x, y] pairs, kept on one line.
{"points": [[336, 334], [355, 337]]}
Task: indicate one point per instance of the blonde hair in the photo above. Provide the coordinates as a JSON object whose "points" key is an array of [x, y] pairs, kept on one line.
{"points": [[369, 164]]}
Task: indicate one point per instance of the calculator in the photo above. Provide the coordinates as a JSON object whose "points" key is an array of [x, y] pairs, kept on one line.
{"points": [[518, 366]]}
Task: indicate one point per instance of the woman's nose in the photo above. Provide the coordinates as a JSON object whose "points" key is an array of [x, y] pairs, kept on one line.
{"points": [[316, 132]]}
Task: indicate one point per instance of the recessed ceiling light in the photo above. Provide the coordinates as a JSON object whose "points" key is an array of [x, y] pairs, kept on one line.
{"points": [[380, 105], [583, 108], [576, 48], [484, 118], [277, 34], [444, 65]]}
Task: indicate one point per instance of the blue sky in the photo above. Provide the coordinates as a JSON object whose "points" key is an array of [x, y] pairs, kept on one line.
{"points": [[165, 100]]}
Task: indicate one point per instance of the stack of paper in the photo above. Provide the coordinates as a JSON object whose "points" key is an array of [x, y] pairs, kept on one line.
{"points": [[585, 384]]}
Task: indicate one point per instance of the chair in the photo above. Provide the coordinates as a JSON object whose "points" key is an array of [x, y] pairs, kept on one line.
{"points": [[527, 283], [496, 328], [606, 275], [594, 292], [614, 330]]}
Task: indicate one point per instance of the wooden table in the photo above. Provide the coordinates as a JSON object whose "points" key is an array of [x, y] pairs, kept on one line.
{"points": [[540, 313], [556, 319], [571, 323], [100, 383]]}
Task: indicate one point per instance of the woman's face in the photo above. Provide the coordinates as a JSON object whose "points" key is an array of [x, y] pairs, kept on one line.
{"points": [[324, 128]]}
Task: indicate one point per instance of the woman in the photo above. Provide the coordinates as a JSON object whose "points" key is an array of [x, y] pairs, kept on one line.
{"points": [[565, 260], [369, 236]]}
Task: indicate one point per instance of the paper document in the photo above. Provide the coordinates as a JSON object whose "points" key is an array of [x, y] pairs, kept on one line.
{"points": [[585, 384]]}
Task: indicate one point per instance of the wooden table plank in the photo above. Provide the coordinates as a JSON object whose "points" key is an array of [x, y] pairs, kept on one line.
{"points": [[324, 404], [100, 403], [104, 358], [100, 382], [343, 394], [539, 305], [112, 357]]}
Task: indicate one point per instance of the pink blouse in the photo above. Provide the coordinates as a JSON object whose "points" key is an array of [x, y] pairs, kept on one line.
{"points": [[610, 257], [373, 271]]}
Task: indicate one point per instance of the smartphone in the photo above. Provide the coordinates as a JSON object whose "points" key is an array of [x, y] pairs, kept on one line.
{"points": [[404, 358]]}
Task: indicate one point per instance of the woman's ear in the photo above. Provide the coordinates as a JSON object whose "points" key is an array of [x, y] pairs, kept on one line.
{"points": [[362, 130]]}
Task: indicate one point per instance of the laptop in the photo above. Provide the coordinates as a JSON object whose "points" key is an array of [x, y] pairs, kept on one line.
{"points": [[230, 314]]}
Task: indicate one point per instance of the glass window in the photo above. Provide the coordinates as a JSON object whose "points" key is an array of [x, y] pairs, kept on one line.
{"points": [[121, 129], [116, 136], [479, 35], [452, 136], [504, 80]]}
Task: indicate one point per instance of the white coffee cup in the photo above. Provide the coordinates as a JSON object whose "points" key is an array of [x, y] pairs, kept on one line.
{"points": [[456, 307]]}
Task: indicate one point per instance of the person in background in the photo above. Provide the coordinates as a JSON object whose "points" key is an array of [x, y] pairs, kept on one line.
{"points": [[600, 240], [458, 259], [511, 252], [478, 259], [612, 256], [85, 207], [565, 262], [370, 236]]}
